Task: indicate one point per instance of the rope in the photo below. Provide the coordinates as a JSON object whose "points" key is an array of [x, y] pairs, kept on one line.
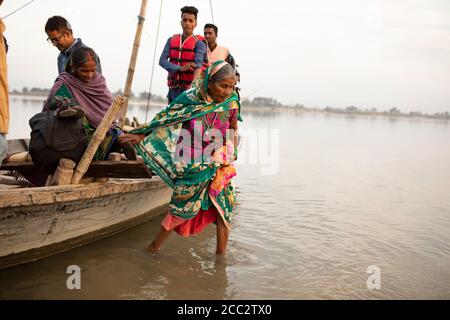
{"points": [[212, 14], [153, 65], [17, 9]]}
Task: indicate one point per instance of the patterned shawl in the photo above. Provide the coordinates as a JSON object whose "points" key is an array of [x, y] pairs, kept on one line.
{"points": [[94, 97], [190, 180]]}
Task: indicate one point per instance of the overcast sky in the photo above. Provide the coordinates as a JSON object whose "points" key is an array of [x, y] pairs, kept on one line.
{"points": [[367, 53]]}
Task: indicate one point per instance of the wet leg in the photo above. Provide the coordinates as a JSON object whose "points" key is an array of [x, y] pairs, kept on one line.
{"points": [[222, 236], [162, 235]]}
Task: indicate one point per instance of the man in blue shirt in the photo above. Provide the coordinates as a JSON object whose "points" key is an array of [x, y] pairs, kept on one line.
{"points": [[60, 35], [184, 55]]}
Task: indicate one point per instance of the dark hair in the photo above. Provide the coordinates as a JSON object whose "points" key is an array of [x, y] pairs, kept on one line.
{"points": [[190, 10], [80, 56], [212, 26], [57, 23]]}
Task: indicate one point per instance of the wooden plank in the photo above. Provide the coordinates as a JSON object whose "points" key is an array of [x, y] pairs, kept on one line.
{"points": [[22, 167], [23, 156], [60, 194], [118, 169], [97, 169]]}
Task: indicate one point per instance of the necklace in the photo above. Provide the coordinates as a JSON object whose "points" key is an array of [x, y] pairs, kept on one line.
{"points": [[209, 125]]}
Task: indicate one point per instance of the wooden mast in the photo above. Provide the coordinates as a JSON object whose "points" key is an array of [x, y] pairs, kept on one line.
{"points": [[118, 107], [132, 66]]}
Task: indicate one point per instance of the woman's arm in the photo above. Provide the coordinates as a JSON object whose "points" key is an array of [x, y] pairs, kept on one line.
{"points": [[131, 138], [56, 99]]}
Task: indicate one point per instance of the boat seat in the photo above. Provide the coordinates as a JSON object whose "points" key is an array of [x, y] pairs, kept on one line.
{"points": [[97, 169]]}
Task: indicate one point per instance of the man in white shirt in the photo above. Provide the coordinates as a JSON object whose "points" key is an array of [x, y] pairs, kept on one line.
{"points": [[216, 52]]}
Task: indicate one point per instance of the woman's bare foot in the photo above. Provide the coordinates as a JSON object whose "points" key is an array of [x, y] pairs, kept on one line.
{"points": [[153, 249], [155, 246]]}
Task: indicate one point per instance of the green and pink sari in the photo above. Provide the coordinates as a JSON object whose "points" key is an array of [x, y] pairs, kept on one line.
{"points": [[199, 171]]}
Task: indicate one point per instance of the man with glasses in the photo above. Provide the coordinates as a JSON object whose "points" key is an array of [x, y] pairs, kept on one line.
{"points": [[60, 35]]}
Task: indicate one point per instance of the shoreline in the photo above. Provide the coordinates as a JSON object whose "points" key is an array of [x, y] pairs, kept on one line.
{"points": [[143, 103], [34, 97]]}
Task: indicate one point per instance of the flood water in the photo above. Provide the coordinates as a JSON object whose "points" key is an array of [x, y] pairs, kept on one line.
{"points": [[330, 198]]}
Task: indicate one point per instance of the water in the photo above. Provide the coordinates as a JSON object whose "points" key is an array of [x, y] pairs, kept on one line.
{"points": [[350, 193]]}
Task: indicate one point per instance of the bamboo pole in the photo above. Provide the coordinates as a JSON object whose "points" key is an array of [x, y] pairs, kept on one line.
{"points": [[118, 108], [97, 138], [132, 66]]}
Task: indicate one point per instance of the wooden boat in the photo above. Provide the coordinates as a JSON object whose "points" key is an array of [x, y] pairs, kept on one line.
{"points": [[67, 212], [39, 222]]}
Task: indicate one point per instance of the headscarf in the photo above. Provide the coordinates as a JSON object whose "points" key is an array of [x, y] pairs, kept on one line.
{"points": [[213, 74], [94, 96]]}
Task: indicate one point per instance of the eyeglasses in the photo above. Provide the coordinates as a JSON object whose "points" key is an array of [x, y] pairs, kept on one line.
{"points": [[54, 40]]}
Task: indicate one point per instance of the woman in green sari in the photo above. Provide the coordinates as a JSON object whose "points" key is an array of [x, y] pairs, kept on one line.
{"points": [[191, 145]]}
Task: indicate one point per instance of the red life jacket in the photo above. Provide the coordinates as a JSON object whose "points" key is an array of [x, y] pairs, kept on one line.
{"points": [[181, 54]]}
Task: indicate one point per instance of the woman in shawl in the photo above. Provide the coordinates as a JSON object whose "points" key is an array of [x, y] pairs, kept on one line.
{"points": [[191, 145], [82, 92]]}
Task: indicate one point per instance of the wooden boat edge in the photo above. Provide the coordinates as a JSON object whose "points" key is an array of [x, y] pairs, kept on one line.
{"points": [[60, 194], [60, 247]]}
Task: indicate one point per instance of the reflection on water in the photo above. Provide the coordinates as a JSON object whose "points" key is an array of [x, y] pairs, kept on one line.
{"points": [[350, 193]]}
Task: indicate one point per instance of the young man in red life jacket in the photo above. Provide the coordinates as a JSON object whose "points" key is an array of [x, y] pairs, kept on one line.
{"points": [[184, 56]]}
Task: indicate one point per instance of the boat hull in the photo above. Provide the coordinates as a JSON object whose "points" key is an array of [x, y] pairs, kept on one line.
{"points": [[40, 222]]}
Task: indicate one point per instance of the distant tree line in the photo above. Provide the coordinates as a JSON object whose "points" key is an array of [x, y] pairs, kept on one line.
{"points": [[262, 102], [154, 97], [267, 102], [394, 111], [44, 92], [32, 91]]}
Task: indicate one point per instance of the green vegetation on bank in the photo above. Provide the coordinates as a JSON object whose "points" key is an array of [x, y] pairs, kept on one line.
{"points": [[263, 102]]}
